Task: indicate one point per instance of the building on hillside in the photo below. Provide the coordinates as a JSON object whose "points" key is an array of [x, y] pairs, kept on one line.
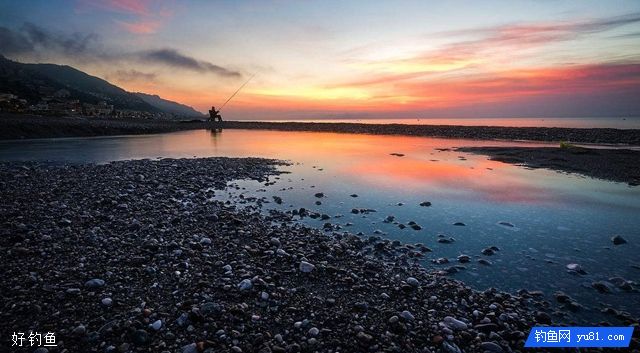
{"points": [[12, 103], [102, 109]]}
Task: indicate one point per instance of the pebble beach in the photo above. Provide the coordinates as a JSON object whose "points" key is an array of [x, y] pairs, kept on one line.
{"points": [[137, 256]]}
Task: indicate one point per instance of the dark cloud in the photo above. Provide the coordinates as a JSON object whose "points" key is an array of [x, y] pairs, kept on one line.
{"points": [[34, 40], [608, 23], [31, 38], [172, 57], [76, 43], [12, 43], [131, 76]]}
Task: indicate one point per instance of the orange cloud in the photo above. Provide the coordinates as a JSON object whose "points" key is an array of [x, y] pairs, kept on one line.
{"points": [[429, 92], [401, 93], [145, 26]]}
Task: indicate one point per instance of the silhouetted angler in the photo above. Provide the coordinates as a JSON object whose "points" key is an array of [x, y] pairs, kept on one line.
{"points": [[214, 115]]}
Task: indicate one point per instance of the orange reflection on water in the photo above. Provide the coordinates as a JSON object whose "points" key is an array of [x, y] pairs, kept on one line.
{"points": [[493, 184], [359, 158]]}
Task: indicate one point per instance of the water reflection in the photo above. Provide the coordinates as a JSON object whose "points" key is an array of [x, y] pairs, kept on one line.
{"points": [[558, 218]]}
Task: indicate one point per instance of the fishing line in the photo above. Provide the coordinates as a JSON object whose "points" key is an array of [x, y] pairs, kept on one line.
{"points": [[236, 92]]}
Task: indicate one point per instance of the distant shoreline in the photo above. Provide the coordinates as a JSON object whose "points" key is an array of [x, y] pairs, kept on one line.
{"points": [[619, 165], [545, 134], [14, 126]]}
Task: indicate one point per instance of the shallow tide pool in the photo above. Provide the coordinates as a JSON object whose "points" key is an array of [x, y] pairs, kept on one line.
{"points": [[540, 220]]}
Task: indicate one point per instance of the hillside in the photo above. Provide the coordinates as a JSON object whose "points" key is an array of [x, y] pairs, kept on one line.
{"points": [[36, 81], [169, 106]]}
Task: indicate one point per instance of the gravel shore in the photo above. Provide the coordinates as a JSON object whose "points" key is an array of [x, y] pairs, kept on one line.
{"points": [[619, 165], [143, 256], [14, 126]]}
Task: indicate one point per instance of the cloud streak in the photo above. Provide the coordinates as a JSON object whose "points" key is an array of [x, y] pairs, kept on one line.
{"points": [[31, 39], [132, 75], [142, 16], [520, 84], [173, 58], [481, 48]]}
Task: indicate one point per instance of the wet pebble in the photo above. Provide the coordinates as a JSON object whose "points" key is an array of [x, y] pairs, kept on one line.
{"points": [[306, 267]]}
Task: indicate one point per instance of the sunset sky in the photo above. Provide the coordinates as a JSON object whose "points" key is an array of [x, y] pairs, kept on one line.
{"points": [[348, 59]]}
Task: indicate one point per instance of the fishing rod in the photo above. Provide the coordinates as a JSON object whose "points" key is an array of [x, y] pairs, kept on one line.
{"points": [[236, 92]]}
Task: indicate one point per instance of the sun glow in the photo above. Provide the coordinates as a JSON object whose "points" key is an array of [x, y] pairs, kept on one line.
{"points": [[315, 93]]}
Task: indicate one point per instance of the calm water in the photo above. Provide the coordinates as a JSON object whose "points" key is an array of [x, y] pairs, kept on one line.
{"points": [[558, 218], [611, 122]]}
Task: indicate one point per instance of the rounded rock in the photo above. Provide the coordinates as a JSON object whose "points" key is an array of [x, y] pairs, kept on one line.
{"points": [[306, 267]]}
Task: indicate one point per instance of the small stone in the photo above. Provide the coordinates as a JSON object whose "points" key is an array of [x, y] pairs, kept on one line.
{"points": [[450, 347], [264, 296], [413, 282], [106, 301], [488, 251], [602, 287], [319, 194], [542, 317], [313, 332], [94, 283], [245, 284], [190, 348], [73, 291], [364, 337], [576, 268], [140, 337], [79, 330], [182, 320], [407, 315], [618, 240], [425, 204], [227, 268], [454, 323], [464, 258], [205, 241], [156, 325], [491, 347], [306, 267], [275, 242]]}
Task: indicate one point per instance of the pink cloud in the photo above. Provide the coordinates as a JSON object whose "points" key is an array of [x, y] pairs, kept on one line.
{"points": [[136, 7], [144, 26], [143, 16]]}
